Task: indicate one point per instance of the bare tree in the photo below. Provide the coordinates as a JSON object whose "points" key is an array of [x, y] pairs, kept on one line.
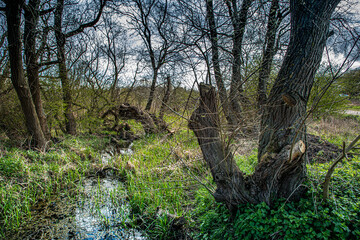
{"points": [[276, 15], [114, 48], [238, 20], [63, 71], [216, 63], [152, 21]]}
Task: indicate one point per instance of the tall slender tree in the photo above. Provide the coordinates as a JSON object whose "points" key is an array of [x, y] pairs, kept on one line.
{"points": [[61, 37], [13, 16], [216, 63], [32, 13]]}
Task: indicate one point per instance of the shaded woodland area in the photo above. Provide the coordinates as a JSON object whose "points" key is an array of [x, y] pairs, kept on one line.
{"points": [[232, 71]]}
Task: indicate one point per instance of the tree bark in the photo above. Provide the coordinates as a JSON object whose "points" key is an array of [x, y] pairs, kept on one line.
{"points": [[32, 67], [282, 121], [233, 187], [280, 170], [152, 90], [274, 21], [70, 122], [13, 16], [238, 19], [216, 63], [165, 98]]}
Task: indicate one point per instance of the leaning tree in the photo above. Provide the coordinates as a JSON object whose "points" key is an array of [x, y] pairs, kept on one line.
{"points": [[281, 163]]}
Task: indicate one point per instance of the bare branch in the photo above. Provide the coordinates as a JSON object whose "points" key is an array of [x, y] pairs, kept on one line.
{"points": [[326, 183], [82, 27]]}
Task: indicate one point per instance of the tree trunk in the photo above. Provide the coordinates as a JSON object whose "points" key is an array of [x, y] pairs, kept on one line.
{"points": [[32, 67], [152, 90], [13, 16], [150, 123], [165, 98], [274, 21], [70, 121], [280, 171], [282, 121], [216, 64], [239, 22]]}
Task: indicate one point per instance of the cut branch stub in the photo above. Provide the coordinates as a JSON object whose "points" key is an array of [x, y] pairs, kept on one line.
{"points": [[205, 123], [278, 174]]}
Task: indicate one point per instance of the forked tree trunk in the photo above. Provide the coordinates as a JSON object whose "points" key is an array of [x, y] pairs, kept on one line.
{"points": [[13, 17], [280, 171], [32, 67]]}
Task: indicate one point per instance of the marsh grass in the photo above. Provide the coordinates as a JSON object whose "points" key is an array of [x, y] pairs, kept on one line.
{"points": [[167, 173], [30, 178]]}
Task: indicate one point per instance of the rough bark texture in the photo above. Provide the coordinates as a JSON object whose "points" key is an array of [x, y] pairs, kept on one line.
{"points": [[231, 119], [13, 17], [233, 187], [70, 121], [280, 170], [152, 90], [282, 121], [32, 67]]}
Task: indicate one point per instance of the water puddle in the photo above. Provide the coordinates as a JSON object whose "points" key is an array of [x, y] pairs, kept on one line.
{"points": [[103, 213], [98, 212]]}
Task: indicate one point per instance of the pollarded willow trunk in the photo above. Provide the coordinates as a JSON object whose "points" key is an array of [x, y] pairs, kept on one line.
{"points": [[233, 187], [280, 170]]}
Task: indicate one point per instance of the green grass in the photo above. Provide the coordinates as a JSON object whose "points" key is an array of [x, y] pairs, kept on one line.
{"points": [[168, 175], [28, 177], [162, 180]]}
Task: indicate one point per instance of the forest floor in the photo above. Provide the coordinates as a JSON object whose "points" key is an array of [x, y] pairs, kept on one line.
{"points": [[159, 188]]}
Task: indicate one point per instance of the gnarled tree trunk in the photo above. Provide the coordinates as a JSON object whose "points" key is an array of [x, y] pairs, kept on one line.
{"points": [[280, 171], [151, 124]]}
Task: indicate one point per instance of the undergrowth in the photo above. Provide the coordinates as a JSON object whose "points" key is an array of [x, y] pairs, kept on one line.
{"points": [[166, 174], [28, 177], [310, 218]]}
